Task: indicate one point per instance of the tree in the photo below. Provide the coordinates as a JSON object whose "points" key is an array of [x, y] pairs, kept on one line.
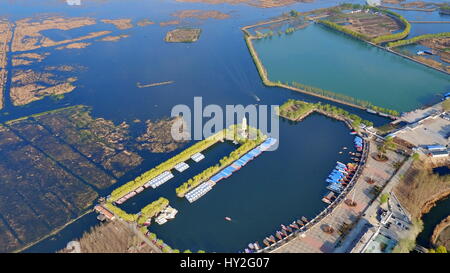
{"points": [[293, 13], [384, 198], [387, 144], [439, 249]]}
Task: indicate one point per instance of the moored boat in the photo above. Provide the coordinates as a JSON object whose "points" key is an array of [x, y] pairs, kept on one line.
{"points": [[278, 235], [272, 239]]}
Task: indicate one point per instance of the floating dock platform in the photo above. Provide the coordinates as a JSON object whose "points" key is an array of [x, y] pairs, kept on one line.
{"points": [[205, 187], [181, 167], [197, 157]]}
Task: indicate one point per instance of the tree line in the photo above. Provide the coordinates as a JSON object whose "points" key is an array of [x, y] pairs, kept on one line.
{"points": [[296, 109], [344, 98], [419, 38]]}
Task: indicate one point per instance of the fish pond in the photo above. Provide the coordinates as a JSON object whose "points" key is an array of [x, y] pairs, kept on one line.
{"points": [[324, 58]]}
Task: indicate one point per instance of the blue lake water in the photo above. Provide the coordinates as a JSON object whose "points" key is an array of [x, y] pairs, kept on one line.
{"points": [[275, 188], [321, 57]]}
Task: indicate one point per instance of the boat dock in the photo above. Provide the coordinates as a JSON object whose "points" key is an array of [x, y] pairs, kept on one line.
{"points": [[199, 191], [197, 157], [205, 187], [342, 180], [154, 183], [159, 180], [181, 167]]}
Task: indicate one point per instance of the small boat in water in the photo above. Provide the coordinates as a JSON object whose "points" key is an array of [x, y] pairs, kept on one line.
{"points": [[294, 225], [278, 234], [266, 242], [300, 222], [283, 232], [272, 239], [256, 245], [250, 245], [304, 219], [287, 228], [228, 218]]}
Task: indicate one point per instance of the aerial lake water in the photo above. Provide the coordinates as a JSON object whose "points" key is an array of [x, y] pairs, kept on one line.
{"points": [[324, 58], [275, 188]]}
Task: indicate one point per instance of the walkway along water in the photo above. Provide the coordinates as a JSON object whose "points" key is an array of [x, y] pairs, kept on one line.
{"points": [[328, 210]]}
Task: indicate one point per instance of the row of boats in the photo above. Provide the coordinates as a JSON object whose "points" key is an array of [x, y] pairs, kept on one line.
{"points": [[154, 183], [160, 179], [358, 143], [284, 232], [205, 187], [338, 180], [199, 191]]}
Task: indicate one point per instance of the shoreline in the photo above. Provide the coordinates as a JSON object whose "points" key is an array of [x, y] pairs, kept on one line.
{"points": [[438, 229], [54, 232], [328, 210]]}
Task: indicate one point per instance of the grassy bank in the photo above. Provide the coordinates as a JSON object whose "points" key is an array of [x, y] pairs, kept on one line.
{"points": [[146, 212], [297, 110], [418, 39]]}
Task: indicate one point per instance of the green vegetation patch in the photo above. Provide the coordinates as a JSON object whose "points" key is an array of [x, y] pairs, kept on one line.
{"points": [[419, 38], [376, 40], [296, 109]]}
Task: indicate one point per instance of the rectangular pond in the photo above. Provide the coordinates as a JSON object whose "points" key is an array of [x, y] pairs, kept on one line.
{"points": [[324, 58]]}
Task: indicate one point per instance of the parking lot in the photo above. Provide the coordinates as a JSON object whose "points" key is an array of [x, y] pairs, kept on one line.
{"points": [[431, 131]]}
